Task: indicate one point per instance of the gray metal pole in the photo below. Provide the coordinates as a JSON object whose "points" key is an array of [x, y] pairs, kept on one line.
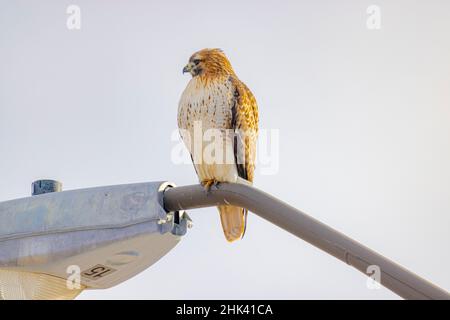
{"points": [[394, 277]]}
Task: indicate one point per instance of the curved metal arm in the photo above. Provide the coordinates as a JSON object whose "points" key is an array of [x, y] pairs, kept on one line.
{"points": [[394, 277]]}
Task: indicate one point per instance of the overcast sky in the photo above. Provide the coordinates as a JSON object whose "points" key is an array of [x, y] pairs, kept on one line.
{"points": [[363, 117]]}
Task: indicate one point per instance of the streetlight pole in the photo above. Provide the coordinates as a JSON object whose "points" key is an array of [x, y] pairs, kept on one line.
{"points": [[394, 277]]}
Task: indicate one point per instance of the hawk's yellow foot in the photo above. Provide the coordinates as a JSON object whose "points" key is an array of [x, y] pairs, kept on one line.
{"points": [[208, 183]]}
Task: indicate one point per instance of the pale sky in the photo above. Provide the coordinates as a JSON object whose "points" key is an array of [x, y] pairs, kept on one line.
{"points": [[363, 118]]}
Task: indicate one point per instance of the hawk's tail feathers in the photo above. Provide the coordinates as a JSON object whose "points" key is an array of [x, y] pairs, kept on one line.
{"points": [[234, 221]]}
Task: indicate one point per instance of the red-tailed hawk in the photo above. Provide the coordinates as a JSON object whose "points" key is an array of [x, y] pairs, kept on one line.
{"points": [[218, 122]]}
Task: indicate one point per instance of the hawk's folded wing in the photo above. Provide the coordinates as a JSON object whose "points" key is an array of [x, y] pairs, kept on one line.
{"points": [[245, 125]]}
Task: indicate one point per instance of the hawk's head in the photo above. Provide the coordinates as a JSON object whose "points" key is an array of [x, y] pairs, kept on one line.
{"points": [[209, 62]]}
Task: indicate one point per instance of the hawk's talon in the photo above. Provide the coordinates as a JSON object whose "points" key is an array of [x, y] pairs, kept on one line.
{"points": [[207, 184]]}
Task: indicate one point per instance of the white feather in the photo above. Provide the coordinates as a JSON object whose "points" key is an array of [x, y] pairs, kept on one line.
{"points": [[210, 106]]}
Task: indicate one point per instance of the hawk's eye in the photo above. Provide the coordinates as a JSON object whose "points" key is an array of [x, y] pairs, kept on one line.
{"points": [[196, 61]]}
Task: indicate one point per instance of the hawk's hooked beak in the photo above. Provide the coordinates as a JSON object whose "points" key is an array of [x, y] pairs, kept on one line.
{"points": [[187, 68]]}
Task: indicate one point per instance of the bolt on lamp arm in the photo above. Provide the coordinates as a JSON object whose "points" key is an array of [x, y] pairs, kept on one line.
{"points": [[394, 277]]}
